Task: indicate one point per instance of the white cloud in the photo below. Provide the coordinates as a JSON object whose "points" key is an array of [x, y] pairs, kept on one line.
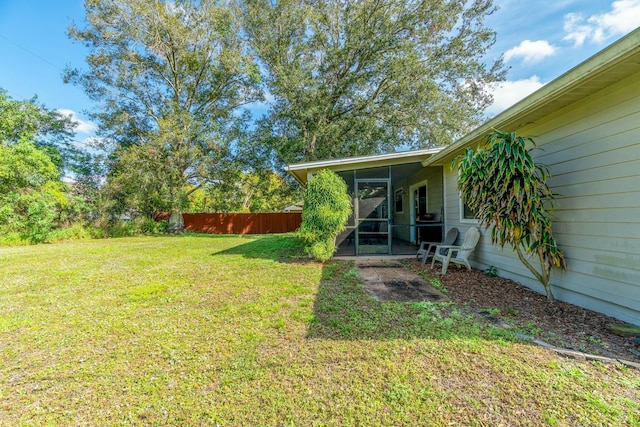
{"points": [[623, 18], [81, 126], [575, 29], [505, 94], [267, 102], [259, 108], [530, 51]]}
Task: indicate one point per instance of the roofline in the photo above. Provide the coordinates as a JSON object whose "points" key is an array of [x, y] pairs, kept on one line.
{"points": [[324, 164], [362, 159], [549, 93]]}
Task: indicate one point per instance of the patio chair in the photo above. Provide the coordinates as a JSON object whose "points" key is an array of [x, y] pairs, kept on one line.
{"points": [[457, 254], [449, 239]]}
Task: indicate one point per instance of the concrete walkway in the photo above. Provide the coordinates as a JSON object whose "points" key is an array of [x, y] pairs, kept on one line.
{"points": [[389, 280]]}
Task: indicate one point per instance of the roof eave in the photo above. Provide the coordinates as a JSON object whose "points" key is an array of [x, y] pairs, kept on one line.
{"points": [[547, 95], [299, 170]]}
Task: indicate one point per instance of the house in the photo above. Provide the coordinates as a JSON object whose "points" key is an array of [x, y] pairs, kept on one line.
{"points": [[296, 207], [392, 195], [586, 124]]}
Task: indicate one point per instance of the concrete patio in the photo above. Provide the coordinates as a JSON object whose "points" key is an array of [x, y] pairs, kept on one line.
{"points": [[389, 280]]}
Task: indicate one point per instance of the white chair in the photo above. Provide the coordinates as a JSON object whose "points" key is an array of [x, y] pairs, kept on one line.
{"points": [[449, 239], [457, 254]]}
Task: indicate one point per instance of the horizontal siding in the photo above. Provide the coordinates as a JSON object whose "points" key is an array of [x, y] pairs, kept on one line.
{"points": [[596, 231], [619, 245], [626, 216], [628, 199], [601, 174], [612, 151], [592, 149]]}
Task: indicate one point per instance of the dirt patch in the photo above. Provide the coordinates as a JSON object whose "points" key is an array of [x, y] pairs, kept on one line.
{"points": [[412, 291], [560, 324], [405, 284]]}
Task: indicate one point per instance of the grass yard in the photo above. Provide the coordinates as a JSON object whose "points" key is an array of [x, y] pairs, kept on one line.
{"points": [[229, 330]]}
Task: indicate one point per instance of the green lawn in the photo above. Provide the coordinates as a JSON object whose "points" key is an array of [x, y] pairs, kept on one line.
{"points": [[206, 330]]}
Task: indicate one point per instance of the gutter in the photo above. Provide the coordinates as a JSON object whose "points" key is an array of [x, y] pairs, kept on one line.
{"points": [[578, 76], [295, 168]]}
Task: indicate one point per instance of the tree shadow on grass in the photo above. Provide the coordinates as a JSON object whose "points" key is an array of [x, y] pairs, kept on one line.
{"points": [[343, 310], [285, 248]]}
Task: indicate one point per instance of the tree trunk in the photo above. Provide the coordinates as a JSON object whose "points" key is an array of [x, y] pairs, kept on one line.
{"points": [[546, 274], [543, 277], [176, 222]]}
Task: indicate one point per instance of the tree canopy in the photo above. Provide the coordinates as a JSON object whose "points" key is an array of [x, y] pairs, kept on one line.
{"points": [[169, 77], [172, 79], [29, 121], [370, 76], [33, 143], [259, 191]]}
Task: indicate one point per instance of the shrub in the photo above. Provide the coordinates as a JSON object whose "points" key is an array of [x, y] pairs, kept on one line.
{"points": [[508, 191], [149, 226], [327, 207], [76, 231]]}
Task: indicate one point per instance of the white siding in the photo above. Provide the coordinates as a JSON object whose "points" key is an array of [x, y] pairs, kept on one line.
{"points": [[592, 149]]}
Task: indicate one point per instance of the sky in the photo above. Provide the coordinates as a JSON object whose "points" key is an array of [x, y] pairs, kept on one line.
{"points": [[540, 41]]}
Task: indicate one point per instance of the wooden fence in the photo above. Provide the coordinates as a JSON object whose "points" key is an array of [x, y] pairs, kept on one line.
{"points": [[240, 223]]}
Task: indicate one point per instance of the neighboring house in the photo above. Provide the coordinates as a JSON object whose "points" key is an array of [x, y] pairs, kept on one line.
{"points": [[586, 124], [296, 207]]}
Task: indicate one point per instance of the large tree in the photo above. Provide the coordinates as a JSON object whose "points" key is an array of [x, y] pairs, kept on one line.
{"points": [[169, 76], [367, 76]]}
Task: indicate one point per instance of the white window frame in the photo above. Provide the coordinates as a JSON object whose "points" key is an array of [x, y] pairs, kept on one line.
{"points": [[462, 219], [395, 196]]}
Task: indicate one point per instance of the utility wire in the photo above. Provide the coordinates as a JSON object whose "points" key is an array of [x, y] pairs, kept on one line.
{"points": [[43, 60], [32, 53]]}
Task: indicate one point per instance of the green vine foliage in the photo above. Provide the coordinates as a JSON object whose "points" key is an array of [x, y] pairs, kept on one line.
{"points": [[327, 207], [508, 191]]}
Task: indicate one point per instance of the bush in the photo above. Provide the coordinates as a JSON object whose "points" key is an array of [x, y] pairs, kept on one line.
{"points": [[109, 227], [508, 191], [327, 207], [11, 239], [76, 231], [149, 226], [40, 221]]}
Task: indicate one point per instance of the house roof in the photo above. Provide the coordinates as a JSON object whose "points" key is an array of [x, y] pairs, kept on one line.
{"points": [[296, 207], [300, 171], [610, 65]]}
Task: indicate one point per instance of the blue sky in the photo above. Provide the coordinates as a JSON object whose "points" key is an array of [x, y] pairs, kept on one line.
{"points": [[540, 40]]}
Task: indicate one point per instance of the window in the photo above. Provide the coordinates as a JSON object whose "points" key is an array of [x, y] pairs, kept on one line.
{"points": [[420, 201], [466, 214], [398, 201]]}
